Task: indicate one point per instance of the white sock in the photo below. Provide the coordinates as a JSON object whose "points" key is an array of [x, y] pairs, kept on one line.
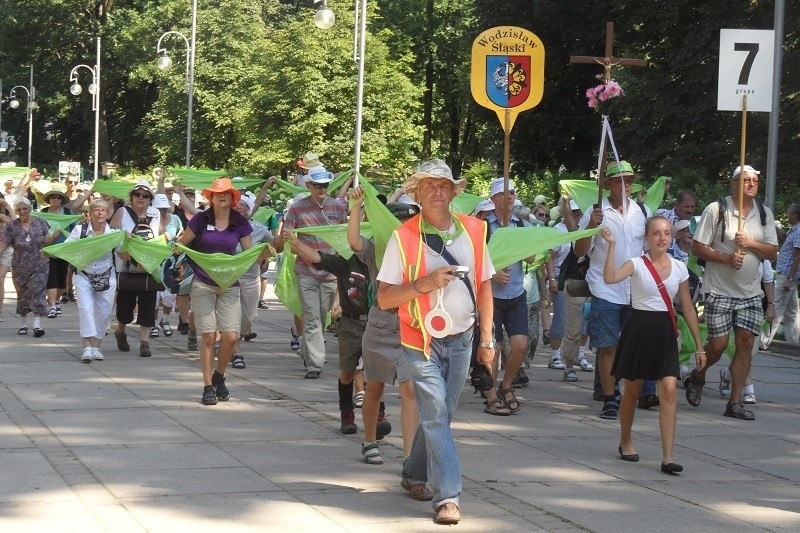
{"points": [[581, 353], [556, 354], [37, 322], [748, 389]]}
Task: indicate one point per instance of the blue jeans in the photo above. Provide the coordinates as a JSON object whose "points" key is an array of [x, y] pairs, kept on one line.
{"points": [[438, 383]]}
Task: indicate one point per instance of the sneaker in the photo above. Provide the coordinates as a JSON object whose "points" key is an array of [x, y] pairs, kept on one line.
{"points": [[383, 428], [735, 410], [358, 399], [312, 374], [447, 514], [349, 422], [51, 313], [218, 381], [58, 309], [249, 336], [87, 355], [262, 304], [520, 380], [724, 382], [65, 298], [154, 331], [209, 395], [585, 365], [749, 398], [295, 342], [556, 364], [97, 355]]}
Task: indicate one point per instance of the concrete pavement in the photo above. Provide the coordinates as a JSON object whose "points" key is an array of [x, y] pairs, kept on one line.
{"points": [[124, 444]]}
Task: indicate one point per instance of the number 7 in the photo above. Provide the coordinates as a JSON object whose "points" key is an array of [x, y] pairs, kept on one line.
{"points": [[752, 50]]}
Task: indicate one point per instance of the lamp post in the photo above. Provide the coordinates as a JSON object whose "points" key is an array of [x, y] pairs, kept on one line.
{"points": [[94, 89], [3, 143], [324, 18], [31, 106], [165, 63], [359, 36]]}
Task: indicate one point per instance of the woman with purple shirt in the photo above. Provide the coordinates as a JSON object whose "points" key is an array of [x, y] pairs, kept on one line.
{"points": [[218, 229]]}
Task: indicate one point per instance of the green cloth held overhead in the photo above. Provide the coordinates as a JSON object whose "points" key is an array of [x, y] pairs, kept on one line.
{"points": [[382, 221], [290, 188], [286, 286], [262, 215], [8, 173], [336, 236], [511, 244], [655, 194], [56, 221], [117, 189], [83, 252], [466, 202], [197, 173], [224, 269], [148, 253], [584, 192]]}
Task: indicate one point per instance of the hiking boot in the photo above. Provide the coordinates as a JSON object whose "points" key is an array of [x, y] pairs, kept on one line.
{"points": [[383, 428], [218, 380], [183, 327], [209, 395], [144, 349], [520, 380], [349, 422], [122, 341]]}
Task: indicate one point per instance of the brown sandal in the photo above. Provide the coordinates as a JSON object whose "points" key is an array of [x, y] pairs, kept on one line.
{"points": [[512, 404], [496, 407]]}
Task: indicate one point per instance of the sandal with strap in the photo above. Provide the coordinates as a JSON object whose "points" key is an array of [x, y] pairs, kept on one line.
{"points": [[497, 407], [372, 454], [694, 389], [737, 410], [512, 403], [237, 361], [23, 330]]}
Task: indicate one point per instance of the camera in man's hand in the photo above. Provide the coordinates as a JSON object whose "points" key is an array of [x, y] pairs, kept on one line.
{"points": [[461, 272], [481, 379]]}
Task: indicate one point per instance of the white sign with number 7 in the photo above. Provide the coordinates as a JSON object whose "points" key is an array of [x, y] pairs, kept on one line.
{"points": [[745, 68]]}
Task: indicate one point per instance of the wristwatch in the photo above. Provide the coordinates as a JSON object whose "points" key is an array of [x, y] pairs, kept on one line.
{"points": [[489, 345]]}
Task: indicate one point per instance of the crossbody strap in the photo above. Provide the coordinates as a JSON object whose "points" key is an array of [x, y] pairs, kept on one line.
{"points": [[436, 244], [663, 290]]}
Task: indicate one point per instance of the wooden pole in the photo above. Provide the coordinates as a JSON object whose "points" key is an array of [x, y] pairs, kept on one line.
{"points": [[506, 164], [741, 160]]}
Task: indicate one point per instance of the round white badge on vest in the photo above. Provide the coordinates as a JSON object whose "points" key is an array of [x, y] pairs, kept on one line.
{"points": [[438, 322]]}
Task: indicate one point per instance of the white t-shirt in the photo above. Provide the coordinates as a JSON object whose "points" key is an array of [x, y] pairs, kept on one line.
{"points": [[456, 299], [645, 295], [628, 230]]}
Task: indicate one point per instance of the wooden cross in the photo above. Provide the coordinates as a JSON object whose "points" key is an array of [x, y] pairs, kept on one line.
{"points": [[609, 61]]}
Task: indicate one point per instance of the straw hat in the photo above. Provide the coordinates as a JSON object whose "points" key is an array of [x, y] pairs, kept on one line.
{"points": [[437, 169], [310, 160], [56, 189]]}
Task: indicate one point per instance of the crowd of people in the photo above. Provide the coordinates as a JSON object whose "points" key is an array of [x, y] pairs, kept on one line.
{"points": [[431, 305]]}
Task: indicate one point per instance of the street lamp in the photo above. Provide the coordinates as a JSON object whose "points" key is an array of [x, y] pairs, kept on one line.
{"points": [[324, 18], [164, 62], [94, 89], [31, 106]]}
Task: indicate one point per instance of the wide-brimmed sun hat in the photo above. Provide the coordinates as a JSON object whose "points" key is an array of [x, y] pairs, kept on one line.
{"points": [[56, 189], [222, 185], [437, 169], [619, 169], [319, 174], [310, 160]]}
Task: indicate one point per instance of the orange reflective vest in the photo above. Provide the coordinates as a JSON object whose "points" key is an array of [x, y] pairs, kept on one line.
{"points": [[412, 313]]}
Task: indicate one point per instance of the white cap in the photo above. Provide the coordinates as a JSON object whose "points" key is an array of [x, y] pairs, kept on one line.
{"points": [[160, 201], [498, 185], [747, 168]]}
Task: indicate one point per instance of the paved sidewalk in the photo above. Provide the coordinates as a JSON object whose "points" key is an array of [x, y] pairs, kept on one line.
{"points": [[124, 444]]}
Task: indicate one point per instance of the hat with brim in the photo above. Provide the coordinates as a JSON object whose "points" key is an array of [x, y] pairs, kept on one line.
{"points": [[436, 169], [142, 185], [320, 175], [310, 160], [619, 169], [681, 225], [484, 206], [56, 189], [160, 201], [747, 168], [220, 185]]}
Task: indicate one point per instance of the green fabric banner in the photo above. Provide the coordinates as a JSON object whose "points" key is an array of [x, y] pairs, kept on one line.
{"points": [[83, 252], [512, 244], [466, 202], [56, 221], [197, 173], [13, 172], [290, 188], [336, 236], [338, 181], [584, 192], [148, 253], [117, 189], [224, 269], [286, 287], [382, 221], [263, 214], [655, 194]]}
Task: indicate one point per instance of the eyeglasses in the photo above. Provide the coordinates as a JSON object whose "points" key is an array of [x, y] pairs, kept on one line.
{"points": [[541, 215], [142, 195], [320, 186]]}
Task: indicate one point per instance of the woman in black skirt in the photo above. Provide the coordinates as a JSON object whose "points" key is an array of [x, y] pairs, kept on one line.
{"points": [[647, 348]]}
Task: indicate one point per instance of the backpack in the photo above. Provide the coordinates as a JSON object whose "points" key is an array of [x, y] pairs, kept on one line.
{"points": [[762, 213]]}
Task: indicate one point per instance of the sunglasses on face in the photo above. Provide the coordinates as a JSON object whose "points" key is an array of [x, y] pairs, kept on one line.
{"points": [[142, 195], [320, 186]]}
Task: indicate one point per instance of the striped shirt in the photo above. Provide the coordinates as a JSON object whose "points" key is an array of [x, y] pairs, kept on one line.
{"points": [[306, 212], [786, 255]]}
